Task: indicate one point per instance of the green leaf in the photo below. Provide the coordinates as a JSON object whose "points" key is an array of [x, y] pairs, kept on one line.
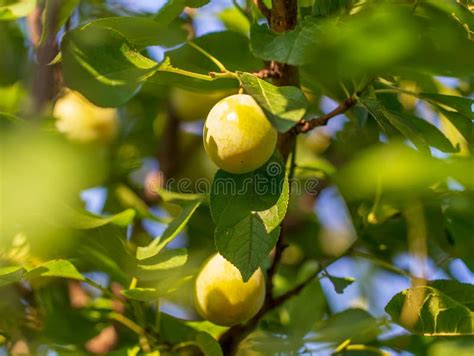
{"points": [[55, 268], [14, 9], [399, 172], [235, 196], [284, 106], [11, 274], [174, 331], [442, 308], [246, 244], [289, 47], [461, 104], [273, 216], [173, 8], [354, 324], [234, 20], [14, 53], [167, 259], [430, 133], [102, 59], [173, 229], [164, 287], [55, 15], [422, 133], [329, 7], [458, 212], [84, 220], [101, 63], [142, 294], [340, 283], [462, 123]]}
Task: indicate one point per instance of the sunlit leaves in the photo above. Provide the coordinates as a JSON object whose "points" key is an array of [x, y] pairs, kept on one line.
{"points": [[10, 274], [173, 229], [55, 268], [14, 9], [440, 308], [84, 220], [103, 64], [397, 169], [284, 106]]}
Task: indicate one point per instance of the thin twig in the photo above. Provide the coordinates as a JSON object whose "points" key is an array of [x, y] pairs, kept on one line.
{"points": [[307, 125], [263, 9]]}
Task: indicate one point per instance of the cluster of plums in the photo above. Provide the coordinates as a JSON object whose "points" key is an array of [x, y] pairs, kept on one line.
{"points": [[238, 138]]}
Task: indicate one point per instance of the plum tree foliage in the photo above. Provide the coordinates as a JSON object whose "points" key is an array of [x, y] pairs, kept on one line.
{"points": [[268, 177]]}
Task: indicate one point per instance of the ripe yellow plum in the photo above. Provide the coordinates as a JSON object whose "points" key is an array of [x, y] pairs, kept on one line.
{"points": [[237, 135], [195, 105], [222, 297], [82, 121]]}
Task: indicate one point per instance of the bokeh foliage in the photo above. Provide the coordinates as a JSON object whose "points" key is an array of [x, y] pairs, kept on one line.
{"points": [[401, 163]]}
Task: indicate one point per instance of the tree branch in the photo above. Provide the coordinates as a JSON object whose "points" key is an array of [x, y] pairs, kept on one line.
{"points": [[230, 339], [263, 9], [307, 125]]}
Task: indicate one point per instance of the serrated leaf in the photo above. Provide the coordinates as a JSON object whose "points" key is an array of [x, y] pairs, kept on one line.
{"points": [[85, 220], [438, 309], [284, 106], [55, 268], [11, 274], [289, 47], [246, 244], [173, 229], [234, 196]]}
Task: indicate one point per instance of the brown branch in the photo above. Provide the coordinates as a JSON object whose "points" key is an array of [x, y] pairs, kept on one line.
{"points": [[307, 125], [263, 9], [230, 339], [47, 79]]}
